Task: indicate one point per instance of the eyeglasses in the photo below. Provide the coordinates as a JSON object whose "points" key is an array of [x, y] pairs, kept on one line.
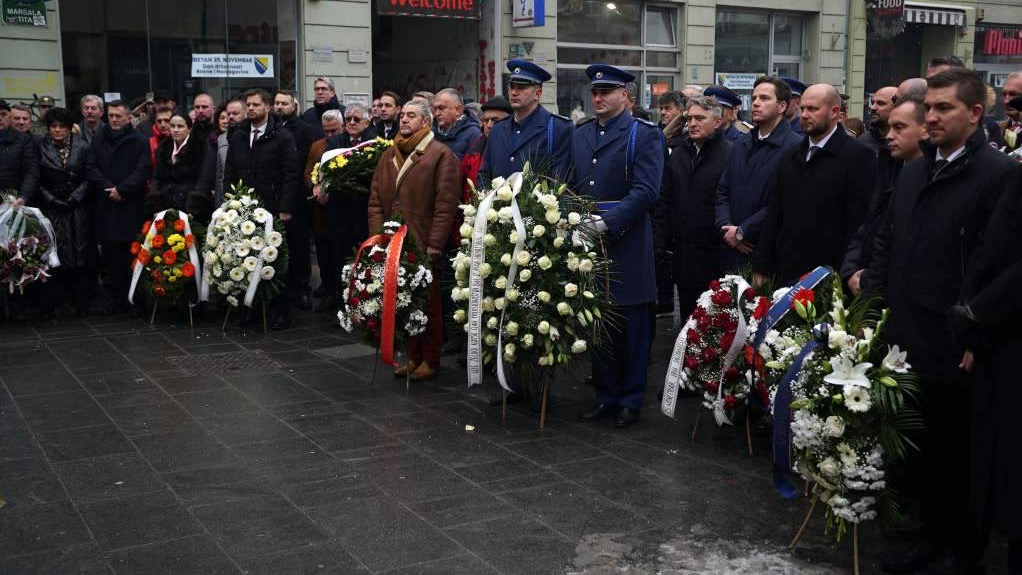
{"points": [[490, 120], [352, 120]]}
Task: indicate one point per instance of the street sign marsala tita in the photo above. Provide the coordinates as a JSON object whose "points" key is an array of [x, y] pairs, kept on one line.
{"points": [[467, 9]]}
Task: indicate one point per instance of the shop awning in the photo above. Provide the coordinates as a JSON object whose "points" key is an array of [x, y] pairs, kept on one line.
{"points": [[917, 13]]}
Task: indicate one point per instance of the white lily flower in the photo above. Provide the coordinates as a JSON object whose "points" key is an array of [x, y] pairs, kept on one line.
{"points": [[848, 374], [895, 360]]}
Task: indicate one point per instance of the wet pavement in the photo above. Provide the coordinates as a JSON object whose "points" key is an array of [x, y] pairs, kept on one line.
{"points": [[132, 449]]}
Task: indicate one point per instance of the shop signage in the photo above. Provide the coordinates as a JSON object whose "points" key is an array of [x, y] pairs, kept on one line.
{"points": [[464, 9], [736, 81], [232, 65], [1001, 42], [24, 12], [528, 13], [520, 50], [887, 17]]}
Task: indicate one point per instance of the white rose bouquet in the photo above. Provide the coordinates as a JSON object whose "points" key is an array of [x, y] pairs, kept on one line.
{"points": [[364, 281], [531, 278], [245, 255]]}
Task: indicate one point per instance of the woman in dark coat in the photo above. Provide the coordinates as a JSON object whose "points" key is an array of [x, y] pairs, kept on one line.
{"points": [[62, 196], [183, 173]]}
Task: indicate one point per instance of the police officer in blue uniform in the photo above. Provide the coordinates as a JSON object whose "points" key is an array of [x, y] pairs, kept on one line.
{"points": [[618, 163], [794, 113], [730, 102], [530, 133]]}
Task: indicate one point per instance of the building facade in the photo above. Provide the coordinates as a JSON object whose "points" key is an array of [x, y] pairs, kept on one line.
{"points": [[132, 47]]}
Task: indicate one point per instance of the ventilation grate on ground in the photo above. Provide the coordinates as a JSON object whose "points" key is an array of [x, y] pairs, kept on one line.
{"points": [[224, 363]]}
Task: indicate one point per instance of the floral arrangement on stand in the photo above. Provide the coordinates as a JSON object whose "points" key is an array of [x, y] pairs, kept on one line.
{"points": [[166, 266], [245, 254], [27, 246], [350, 169], [390, 259], [531, 279], [847, 402], [713, 354]]}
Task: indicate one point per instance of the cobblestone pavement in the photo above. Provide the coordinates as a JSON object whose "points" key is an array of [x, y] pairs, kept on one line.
{"points": [[132, 449]]}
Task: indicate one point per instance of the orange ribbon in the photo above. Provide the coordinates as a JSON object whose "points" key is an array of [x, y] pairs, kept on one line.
{"points": [[388, 316]]}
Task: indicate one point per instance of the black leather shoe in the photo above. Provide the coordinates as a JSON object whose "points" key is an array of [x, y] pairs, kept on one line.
{"points": [[512, 399], [598, 411], [305, 302], [909, 561], [283, 321], [588, 380], [626, 417]]}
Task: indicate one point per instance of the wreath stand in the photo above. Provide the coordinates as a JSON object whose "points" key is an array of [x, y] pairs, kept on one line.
{"points": [[544, 401], [855, 536], [227, 316], [748, 428]]}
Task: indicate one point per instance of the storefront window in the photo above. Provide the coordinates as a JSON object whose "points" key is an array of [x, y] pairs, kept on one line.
{"points": [[640, 38], [132, 47]]}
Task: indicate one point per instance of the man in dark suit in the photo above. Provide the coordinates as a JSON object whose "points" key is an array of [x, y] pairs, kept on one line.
{"points": [[619, 162], [390, 112], [819, 196], [262, 154], [938, 221], [686, 226]]}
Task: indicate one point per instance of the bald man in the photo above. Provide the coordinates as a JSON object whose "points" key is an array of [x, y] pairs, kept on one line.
{"points": [[875, 135], [819, 196], [912, 89]]}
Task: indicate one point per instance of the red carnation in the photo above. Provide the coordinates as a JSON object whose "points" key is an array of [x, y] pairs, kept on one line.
{"points": [[721, 298], [726, 340], [721, 319], [704, 322], [179, 225], [715, 285], [691, 363], [169, 257], [731, 374], [410, 256], [693, 336], [761, 308], [160, 224], [711, 386], [803, 296], [709, 354], [698, 313], [377, 257], [355, 302], [750, 294], [145, 226], [729, 402]]}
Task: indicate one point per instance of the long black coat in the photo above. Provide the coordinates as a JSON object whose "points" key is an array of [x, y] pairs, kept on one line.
{"points": [[314, 115], [922, 252], [185, 184], [19, 163], [348, 215], [991, 291], [271, 166], [64, 197], [118, 159], [687, 203], [815, 207]]}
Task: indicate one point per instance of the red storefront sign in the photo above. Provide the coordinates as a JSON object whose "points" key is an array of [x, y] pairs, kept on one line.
{"points": [[1001, 42], [464, 9]]}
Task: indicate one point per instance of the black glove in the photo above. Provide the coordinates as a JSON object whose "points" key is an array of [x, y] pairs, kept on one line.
{"points": [[962, 323]]}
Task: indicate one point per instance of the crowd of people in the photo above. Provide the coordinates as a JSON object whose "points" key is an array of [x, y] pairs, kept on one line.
{"points": [[919, 205]]}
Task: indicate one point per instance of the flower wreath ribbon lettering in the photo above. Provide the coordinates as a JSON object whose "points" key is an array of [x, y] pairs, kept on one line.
{"points": [[673, 381], [193, 255], [391, 266], [475, 283], [254, 278]]}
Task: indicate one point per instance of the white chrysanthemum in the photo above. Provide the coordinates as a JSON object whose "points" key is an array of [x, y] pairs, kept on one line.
{"points": [[233, 301], [574, 218], [209, 258], [269, 254], [226, 258], [250, 263], [242, 249], [256, 243], [523, 257], [237, 274], [260, 215], [248, 228], [276, 239], [857, 399]]}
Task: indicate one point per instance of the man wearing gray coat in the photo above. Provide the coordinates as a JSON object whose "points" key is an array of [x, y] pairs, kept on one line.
{"points": [[235, 113]]}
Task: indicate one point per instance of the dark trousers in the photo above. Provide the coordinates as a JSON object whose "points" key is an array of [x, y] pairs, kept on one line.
{"points": [[426, 346], [945, 468], [299, 238], [114, 261], [74, 285], [619, 369], [329, 276]]}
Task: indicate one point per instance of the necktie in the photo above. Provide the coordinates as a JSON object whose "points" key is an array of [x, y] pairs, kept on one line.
{"points": [[255, 136], [812, 152]]}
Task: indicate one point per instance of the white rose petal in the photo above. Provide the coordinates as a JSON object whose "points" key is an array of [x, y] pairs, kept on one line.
{"points": [[545, 263], [570, 290], [574, 218]]}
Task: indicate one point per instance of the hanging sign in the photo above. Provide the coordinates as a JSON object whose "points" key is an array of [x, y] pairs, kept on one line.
{"points": [[528, 13], [232, 65], [24, 12], [887, 17], [461, 9], [736, 80]]}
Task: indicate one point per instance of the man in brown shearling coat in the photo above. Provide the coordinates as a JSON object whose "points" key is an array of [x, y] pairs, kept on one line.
{"points": [[420, 179]]}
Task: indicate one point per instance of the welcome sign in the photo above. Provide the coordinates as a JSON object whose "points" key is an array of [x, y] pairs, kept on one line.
{"points": [[462, 9], [232, 65]]}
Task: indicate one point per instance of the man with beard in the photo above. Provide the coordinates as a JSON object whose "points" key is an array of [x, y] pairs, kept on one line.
{"points": [[938, 218], [876, 132], [421, 179], [819, 196], [262, 154], [390, 109], [907, 128], [203, 107]]}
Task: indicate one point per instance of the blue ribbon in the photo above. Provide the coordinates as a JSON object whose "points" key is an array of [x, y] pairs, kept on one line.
{"points": [[782, 306], [782, 425], [606, 206]]}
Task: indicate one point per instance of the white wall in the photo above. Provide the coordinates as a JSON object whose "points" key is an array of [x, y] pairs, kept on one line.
{"points": [[30, 60]]}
